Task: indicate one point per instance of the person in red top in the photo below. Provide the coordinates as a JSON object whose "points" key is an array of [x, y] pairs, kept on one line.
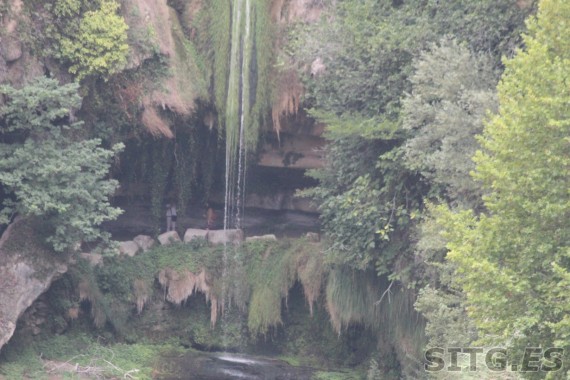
{"points": [[210, 217]]}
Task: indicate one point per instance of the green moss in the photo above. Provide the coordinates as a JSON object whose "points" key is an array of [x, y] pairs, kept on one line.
{"points": [[188, 67], [271, 273], [226, 41], [87, 352], [25, 364]]}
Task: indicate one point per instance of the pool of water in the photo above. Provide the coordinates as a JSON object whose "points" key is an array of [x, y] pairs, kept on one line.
{"points": [[226, 366]]}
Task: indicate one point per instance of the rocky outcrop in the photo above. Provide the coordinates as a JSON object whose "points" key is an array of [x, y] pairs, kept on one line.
{"points": [[144, 242], [225, 237], [129, 248], [193, 233], [27, 269], [17, 66], [183, 85], [169, 238]]}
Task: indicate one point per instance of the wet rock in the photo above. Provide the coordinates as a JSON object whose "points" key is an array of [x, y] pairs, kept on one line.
{"points": [[169, 238], [193, 233], [270, 237], [225, 236], [129, 248], [144, 242]]}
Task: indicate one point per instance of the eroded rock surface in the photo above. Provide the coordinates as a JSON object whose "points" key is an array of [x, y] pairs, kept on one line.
{"points": [[27, 269]]}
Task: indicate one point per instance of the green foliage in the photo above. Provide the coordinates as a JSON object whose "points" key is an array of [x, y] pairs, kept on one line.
{"points": [[87, 36], [368, 49], [85, 353], [513, 261], [441, 301], [259, 278], [100, 47], [365, 215], [375, 180], [352, 296], [22, 364], [271, 275], [49, 169], [452, 90]]}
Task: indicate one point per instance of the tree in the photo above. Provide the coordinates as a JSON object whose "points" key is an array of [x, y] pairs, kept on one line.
{"points": [[367, 193], [513, 262], [452, 91], [48, 169]]}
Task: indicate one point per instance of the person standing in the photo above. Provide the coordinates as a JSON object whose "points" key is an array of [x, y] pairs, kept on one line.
{"points": [[171, 216], [210, 217]]}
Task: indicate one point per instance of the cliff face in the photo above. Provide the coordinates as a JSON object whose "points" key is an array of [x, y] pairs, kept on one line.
{"points": [[17, 66], [169, 32], [27, 269]]}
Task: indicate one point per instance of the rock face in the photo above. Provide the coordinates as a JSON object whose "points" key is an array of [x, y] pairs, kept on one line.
{"points": [[293, 151], [225, 236], [17, 66], [27, 269], [144, 242], [168, 238], [193, 233]]}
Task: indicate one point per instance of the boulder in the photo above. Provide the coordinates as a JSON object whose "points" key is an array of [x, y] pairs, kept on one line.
{"points": [[129, 248], [225, 236], [94, 259], [262, 237], [144, 242], [168, 238], [192, 233]]}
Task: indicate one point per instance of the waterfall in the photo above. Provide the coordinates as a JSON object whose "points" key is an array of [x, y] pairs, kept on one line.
{"points": [[238, 111], [237, 122]]}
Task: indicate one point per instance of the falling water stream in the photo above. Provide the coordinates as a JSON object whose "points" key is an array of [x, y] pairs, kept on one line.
{"points": [[236, 120]]}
